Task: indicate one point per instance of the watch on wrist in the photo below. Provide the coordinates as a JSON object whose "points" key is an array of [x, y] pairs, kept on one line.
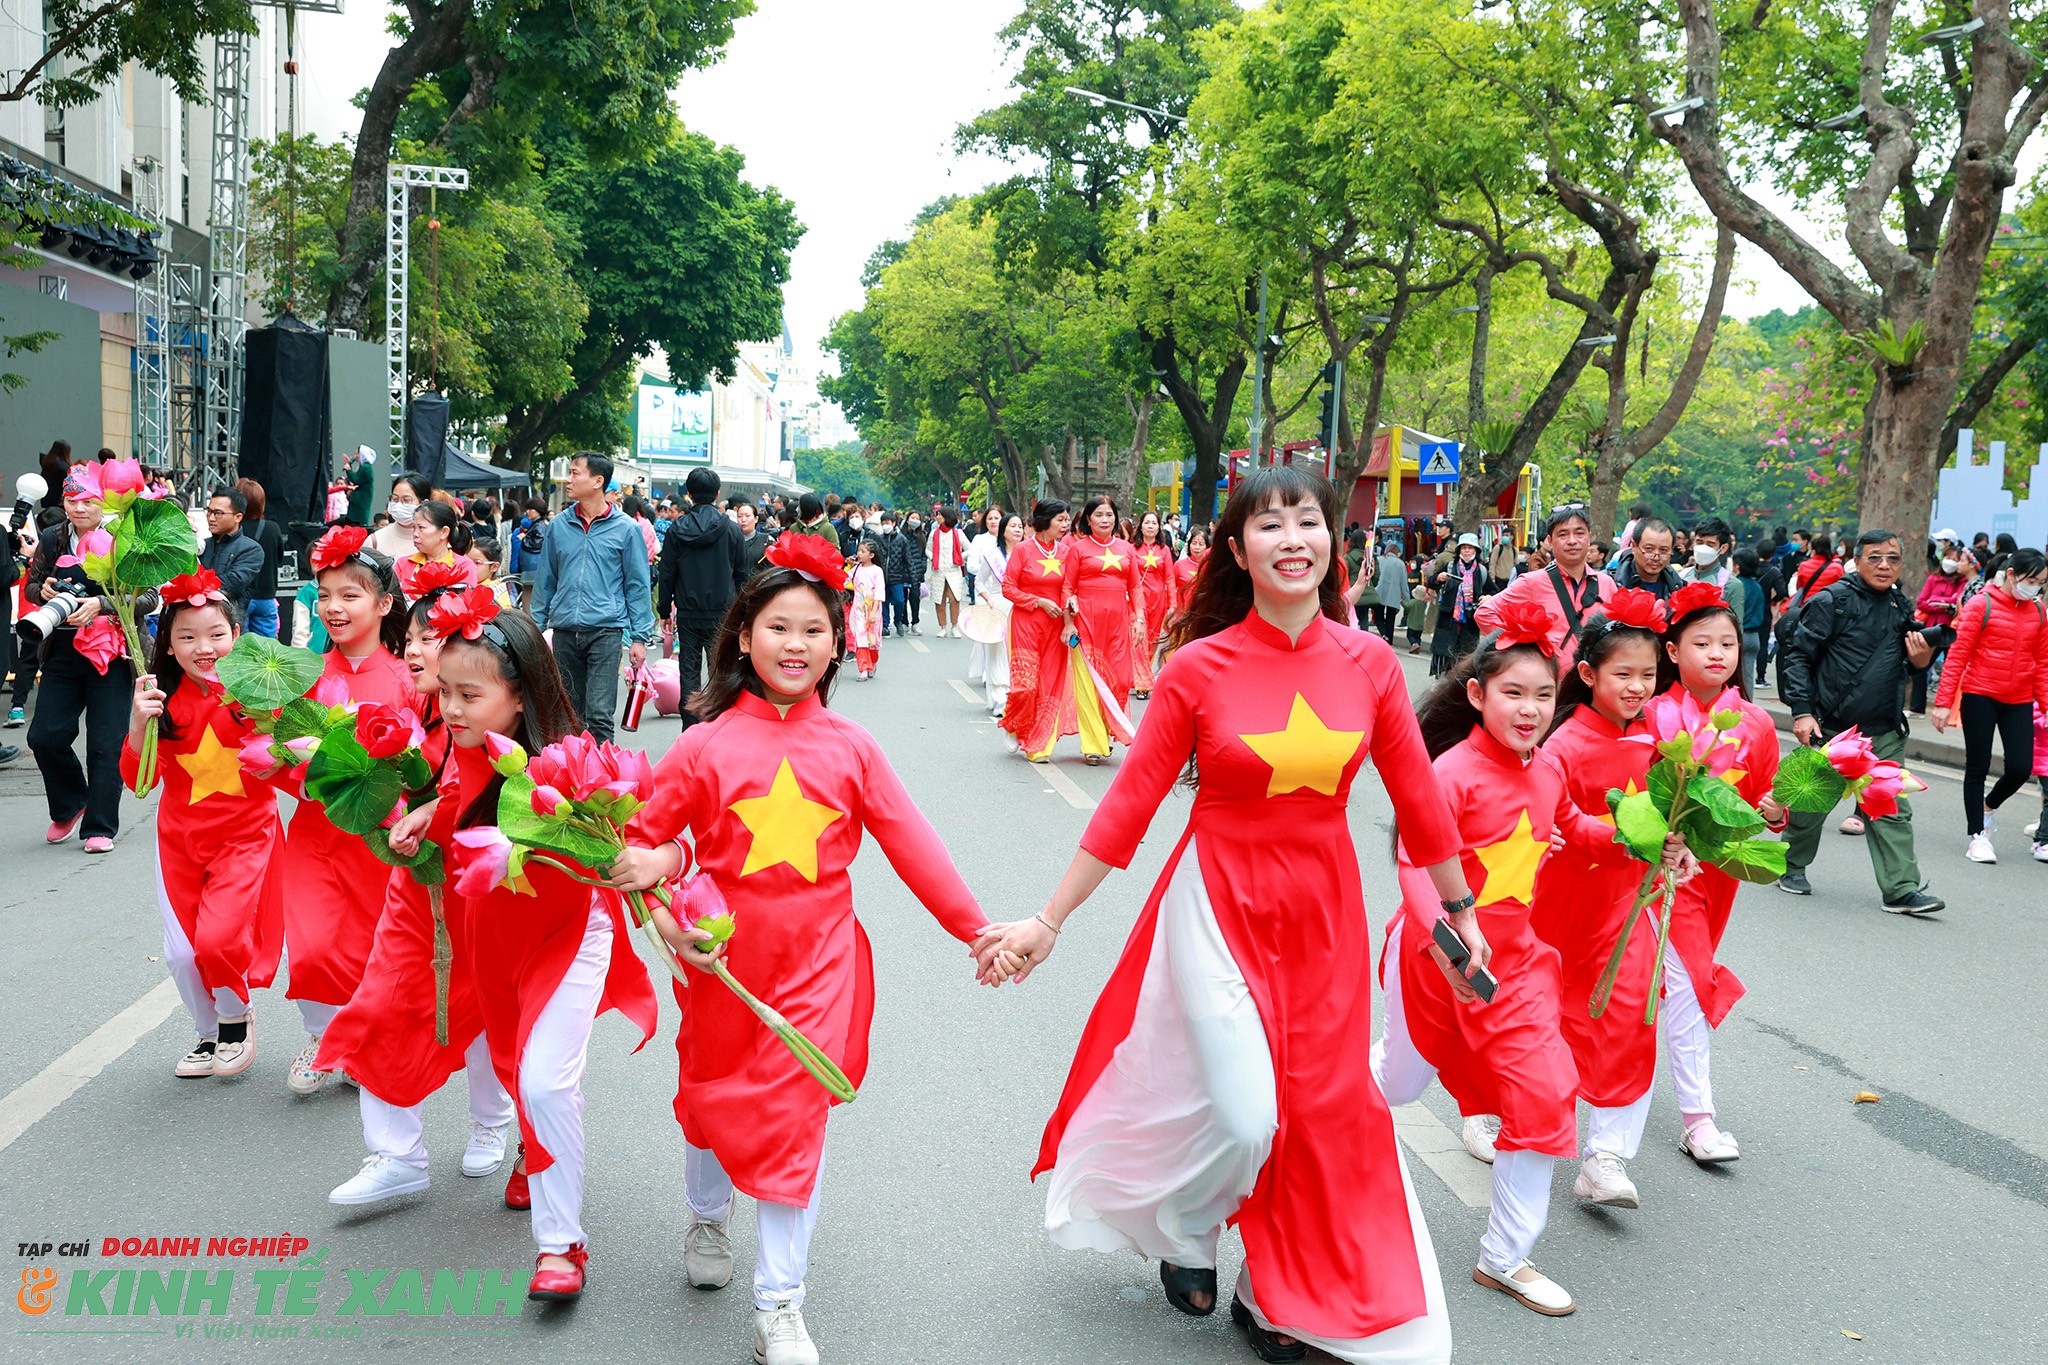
{"points": [[1459, 906]]}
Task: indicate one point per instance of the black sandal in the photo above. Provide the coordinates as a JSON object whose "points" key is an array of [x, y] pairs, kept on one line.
{"points": [[1181, 1282], [1265, 1345]]}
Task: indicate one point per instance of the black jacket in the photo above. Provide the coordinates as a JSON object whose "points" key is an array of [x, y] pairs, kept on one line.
{"points": [[271, 537], [754, 551], [238, 562], [1627, 575], [1846, 662], [901, 556], [701, 567]]}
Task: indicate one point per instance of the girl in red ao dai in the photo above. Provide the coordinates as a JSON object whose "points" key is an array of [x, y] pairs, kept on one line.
{"points": [[1583, 896], [218, 873], [385, 1036], [777, 792], [1217, 1082], [337, 884], [547, 961], [1703, 657]]}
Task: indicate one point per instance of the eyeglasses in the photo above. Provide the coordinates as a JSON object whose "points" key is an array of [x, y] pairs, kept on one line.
{"points": [[1568, 507], [220, 511]]}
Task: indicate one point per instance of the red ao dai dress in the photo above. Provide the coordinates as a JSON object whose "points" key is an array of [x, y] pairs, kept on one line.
{"points": [[1219, 1079], [1156, 584], [1102, 577], [1040, 705]]}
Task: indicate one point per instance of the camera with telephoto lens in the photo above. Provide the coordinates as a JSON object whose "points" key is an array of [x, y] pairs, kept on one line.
{"points": [[41, 623]]}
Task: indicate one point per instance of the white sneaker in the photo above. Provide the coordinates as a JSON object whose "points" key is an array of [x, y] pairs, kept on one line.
{"points": [[707, 1253], [1708, 1145], [382, 1177], [486, 1150], [302, 1078], [2041, 851], [198, 1062], [232, 1059], [780, 1338], [1479, 1132], [1535, 1291], [2033, 831], [1604, 1180], [1980, 849]]}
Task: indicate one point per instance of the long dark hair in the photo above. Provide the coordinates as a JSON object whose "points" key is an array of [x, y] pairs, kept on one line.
{"points": [[1599, 638], [1667, 667], [1446, 713], [372, 570], [731, 671], [528, 666], [1222, 595], [163, 664]]}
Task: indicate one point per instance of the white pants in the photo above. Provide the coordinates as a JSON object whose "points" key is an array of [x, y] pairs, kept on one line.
{"points": [[1521, 1180], [1618, 1131], [1688, 1039], [782, 1232], [397, 1131], [316, 1015], [551, 1088], [207, 1008]]}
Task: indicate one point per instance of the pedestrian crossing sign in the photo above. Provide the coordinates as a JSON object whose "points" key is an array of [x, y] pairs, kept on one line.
{"points": [[1439, 460]]}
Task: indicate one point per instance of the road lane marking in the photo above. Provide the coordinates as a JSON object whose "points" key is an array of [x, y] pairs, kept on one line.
{"points": [[967, 693], [1066, 787], [63, 1078], [920, 646], [1440, 1149]]}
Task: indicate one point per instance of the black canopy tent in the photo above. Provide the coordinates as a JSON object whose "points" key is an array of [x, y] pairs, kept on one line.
{"points": [[460, 473]]}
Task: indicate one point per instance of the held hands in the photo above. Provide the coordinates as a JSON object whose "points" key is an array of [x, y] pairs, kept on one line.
{"points": [[1466, 924], [405, 836], [643, 869], [1679, 863], [1011, 951]]}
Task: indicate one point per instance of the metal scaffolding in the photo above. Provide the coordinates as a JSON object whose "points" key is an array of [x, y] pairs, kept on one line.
{"points": [[227, 226], [153, 324], [400, 180], [187, 285]]}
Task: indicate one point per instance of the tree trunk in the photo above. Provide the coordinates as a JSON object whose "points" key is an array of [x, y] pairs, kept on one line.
{"points": [[1057, 484], [434, 43], [1017, 477]]}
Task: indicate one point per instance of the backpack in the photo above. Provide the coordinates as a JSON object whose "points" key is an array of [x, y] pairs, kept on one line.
{"points": [[532, 538]]}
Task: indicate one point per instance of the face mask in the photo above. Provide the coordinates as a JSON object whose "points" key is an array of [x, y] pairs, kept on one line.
{"points": [[855, 523], [888, 528], [2026, 592], [1950, 565], [1704, 555], [402, 512]]}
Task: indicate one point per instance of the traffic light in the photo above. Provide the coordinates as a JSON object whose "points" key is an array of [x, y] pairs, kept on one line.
{"points": [[1333, 404], [1329, 418]]}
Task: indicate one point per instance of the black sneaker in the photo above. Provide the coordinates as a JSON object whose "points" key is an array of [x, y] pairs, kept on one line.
{"points": [[1795, 884], [1915, 903]]}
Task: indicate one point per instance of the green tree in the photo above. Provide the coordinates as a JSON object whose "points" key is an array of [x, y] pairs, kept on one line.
{"points": [[88, 44]]}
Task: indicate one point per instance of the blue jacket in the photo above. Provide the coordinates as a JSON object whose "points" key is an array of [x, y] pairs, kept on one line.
{"points": [[594, 579]]}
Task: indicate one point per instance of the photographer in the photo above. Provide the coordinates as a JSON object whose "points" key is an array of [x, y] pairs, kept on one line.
{"points": [[73, 684]]}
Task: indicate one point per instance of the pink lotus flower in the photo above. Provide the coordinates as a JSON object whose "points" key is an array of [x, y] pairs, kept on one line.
{"points": [[485, 860], [121, 483], [91, 544], [582, 769], [549, 803], [303, 748], [387, 731], [101, 642], [257, 755], [506, 756], [1850, 754], [703, 905], [331, 690]]}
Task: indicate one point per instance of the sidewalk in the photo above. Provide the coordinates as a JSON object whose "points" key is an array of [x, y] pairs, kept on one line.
{"points": [[1923, 745]]}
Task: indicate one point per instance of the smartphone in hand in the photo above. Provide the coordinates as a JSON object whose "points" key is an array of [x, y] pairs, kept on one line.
{"points": [[1460, 956]]}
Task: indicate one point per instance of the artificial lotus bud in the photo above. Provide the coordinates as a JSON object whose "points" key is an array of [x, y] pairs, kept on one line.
{"points": [[507, 758], [1726, 718], [549, 803], [302, 749]]}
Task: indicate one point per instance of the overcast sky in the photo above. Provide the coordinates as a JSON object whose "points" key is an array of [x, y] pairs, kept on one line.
{"points": [[848, 107]]}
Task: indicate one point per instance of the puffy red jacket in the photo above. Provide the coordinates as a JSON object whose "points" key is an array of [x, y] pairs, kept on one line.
{"points": [[1998, 651]]}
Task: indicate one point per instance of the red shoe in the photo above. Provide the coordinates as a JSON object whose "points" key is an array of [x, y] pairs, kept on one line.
{"points": [[517, 1196], [559, 1286], [60, 830]]}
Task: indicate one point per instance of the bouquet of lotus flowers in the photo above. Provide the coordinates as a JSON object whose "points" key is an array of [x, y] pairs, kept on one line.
{"points": [[148, 544], [1814, 780], [364, 764], [574, 799], [1687, 791]]}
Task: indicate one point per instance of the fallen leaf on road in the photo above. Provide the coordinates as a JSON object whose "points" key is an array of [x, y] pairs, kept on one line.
{"points": [[1802, 1068], [152, 957], [1853, 1336], [1867, 1097]]}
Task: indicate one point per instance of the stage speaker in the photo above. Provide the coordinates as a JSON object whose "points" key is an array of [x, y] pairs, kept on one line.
{"points": [[285, 419], [426, 436]]}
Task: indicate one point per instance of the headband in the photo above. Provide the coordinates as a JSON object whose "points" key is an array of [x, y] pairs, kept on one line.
{"points": [[1522, 622], [1696, 597], [472, 614], [339, 546], [194, 589], [808, 556], [1632, 607]]}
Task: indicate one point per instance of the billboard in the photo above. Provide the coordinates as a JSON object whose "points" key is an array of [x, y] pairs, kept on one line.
{"points": [[671, 425]]}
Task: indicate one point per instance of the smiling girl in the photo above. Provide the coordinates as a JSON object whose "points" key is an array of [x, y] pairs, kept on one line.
{"points": [[777, 792], [218, 880], [1703, 657], [337, 883]]}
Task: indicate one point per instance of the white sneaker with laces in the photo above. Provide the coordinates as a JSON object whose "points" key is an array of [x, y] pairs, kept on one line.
{"points": [[780, 1337], [198, 1062], [1530, 1286], [1603, 1179], [1980, 849], [1708, 1145], [2041, 851], [486, 1150], [1479, 1132], [707, 1253], [302, 1078], [382, 1177]]}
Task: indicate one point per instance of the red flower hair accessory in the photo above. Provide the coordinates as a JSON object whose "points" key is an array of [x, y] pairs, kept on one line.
{"points": [[338, 547], [1635, 607], [1521, 621], [465, 613], [1695, 597], [434, 575], [194, 589], [808, 555]]}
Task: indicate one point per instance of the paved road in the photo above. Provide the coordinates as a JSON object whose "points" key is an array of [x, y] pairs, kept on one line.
{"points": [[1915, 1223]]}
